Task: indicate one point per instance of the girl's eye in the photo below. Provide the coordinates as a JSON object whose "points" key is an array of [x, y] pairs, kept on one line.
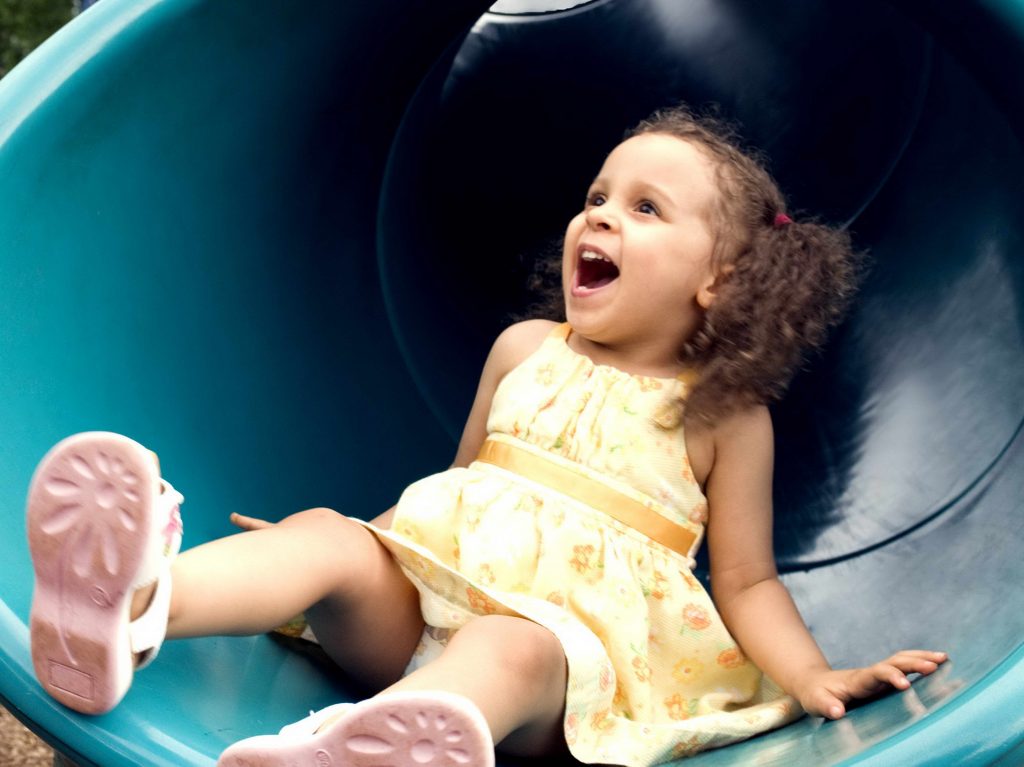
{"points": [[595, 199], [647, 208]]}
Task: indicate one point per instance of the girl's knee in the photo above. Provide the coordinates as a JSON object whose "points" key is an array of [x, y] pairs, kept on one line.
{"points": [[526, 649], [344, 542], [319, 517]]}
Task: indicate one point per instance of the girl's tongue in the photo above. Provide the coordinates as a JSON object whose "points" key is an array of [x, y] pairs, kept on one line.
{"points": [[596, 273]]}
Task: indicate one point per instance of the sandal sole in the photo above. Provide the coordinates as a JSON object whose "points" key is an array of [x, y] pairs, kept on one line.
{"points": [[90, 529], [398, 730]]}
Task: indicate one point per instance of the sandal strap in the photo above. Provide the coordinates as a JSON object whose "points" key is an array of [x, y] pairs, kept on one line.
{"points": [[173, 530], [147, 632], [312, 723]]}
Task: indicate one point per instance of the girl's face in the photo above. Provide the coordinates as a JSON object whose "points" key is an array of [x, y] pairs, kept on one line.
{"points": [[636, 264]]}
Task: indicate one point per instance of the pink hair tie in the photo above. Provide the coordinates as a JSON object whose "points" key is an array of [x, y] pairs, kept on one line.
{"points": [[781, 220]]}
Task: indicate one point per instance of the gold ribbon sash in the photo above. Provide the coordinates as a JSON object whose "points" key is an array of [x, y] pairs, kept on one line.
{"points": [[590, 491]]}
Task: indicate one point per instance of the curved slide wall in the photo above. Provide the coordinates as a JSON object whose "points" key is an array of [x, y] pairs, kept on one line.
{"points": [[239, 234]]}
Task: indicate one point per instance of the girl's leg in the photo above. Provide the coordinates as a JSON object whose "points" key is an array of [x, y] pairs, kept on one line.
{"points": [[515, 672], [364, 611], [101, 520], [499, 679]]}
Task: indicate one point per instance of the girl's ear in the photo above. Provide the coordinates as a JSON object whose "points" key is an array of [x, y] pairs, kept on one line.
{"points": [[708, 291]]}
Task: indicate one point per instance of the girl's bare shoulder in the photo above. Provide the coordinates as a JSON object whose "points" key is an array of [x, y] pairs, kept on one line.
{"points": [[737, 434], [519, 341]]}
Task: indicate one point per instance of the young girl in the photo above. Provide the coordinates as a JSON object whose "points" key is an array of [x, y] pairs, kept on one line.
{"points": [[539, 593]]}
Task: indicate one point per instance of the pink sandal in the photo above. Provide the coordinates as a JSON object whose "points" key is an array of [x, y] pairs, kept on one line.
{"points": [[101, 524], [399, 729]]}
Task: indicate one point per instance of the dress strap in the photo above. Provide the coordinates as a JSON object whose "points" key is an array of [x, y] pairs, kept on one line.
{"points": [[689, 377], [573, 480], [561, 331]]}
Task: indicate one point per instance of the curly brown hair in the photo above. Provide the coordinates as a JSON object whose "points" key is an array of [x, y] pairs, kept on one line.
{"points": [[780, 286], [782, 283]]}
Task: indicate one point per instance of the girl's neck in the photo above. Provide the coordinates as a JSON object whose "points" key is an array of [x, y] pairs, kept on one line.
{"points": [[650, 359]]}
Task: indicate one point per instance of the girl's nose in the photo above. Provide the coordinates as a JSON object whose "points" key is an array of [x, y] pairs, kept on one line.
{"points": [[601, 217]]}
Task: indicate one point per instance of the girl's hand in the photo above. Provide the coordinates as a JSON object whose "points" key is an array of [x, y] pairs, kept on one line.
{"points": [[826, 693], [249, 523]]}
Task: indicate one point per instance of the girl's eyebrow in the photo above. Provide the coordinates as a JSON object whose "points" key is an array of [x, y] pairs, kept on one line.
{"points": [[653, 190], [645, 188]]}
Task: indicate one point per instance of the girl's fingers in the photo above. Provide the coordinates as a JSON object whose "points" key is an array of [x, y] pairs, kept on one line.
{"points": [[249, 523], [917, 661], [898, 679], [835, 709], [889, 674], [824, 703], [932, 655], [871, 680]]}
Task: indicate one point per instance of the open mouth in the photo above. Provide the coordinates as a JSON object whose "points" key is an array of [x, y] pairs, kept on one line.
{"points": [[594, 271]]}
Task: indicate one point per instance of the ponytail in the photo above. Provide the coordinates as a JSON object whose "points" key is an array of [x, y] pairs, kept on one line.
{"points": [[782, 283], [776, 302]]}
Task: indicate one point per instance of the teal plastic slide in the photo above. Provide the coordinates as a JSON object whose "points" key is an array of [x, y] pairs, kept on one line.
{"points": [[273, 241]]}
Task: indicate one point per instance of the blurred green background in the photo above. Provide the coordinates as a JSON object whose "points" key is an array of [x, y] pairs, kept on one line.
{"points": [[24, 24]]}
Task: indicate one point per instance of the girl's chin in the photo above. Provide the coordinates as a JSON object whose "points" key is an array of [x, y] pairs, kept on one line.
{"points": [[589, 307], [585, 319]]}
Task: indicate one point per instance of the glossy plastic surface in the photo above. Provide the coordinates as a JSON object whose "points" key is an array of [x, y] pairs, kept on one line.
{"points": [[238, 234]]}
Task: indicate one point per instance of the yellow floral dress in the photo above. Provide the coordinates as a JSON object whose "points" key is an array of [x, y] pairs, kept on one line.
{"points": [[653, 673]]}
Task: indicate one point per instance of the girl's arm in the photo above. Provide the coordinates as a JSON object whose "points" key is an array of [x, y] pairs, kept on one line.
{"points": [[756, 607], [515, 344], [512, 346]]}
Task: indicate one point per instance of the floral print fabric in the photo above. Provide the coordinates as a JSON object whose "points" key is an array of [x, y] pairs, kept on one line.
{"points": [[653, 673]]}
